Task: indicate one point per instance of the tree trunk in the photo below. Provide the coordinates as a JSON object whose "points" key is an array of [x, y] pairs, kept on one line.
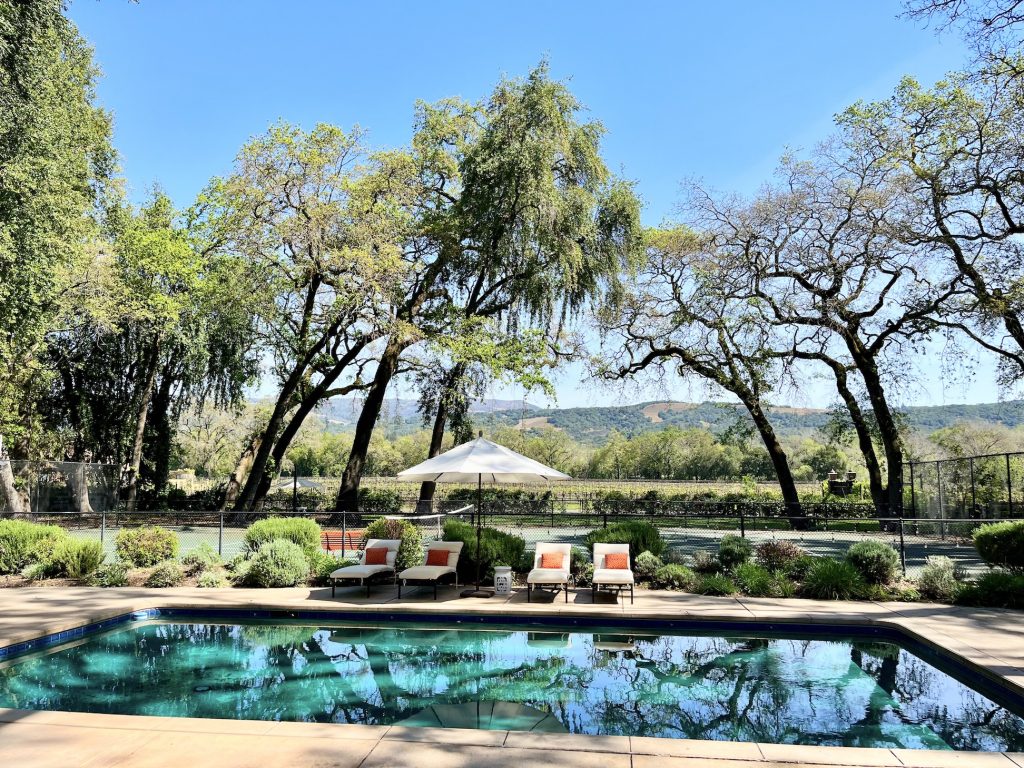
{"points": [[867, 447], [348, 493], [9, 491], [285, 401], [780, 462], [159, 433], [241, 471], [78, 485], [140, 426]]}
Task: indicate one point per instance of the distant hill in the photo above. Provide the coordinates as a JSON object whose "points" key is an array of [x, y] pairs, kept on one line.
{"points": [[592, 425]]}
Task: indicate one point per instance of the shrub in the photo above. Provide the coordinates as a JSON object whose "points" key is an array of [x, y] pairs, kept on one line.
{"points": [[829, 579], [579, 558], [379, 501], [111, 575], [645, 566], [210, 580], [495, 547], [778, 555], [876, 562], [999, 589], [799, 568], [733, 551], [299, 530], [278, 563], [1002, 544], [410, 551], [673, 576], [939, 579], [705, 562], [146, 546], [23, 543], [322, 565], [201, 559], [715, 584], [167, 574], [640, 535], [758, 581], [76, 559], [585, 576]]}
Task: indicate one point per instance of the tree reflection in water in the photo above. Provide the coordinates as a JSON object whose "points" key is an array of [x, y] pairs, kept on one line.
{"points": [[850, 693]]}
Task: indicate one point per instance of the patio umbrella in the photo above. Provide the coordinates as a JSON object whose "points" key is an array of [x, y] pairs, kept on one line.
{"points": [[480, 460]]}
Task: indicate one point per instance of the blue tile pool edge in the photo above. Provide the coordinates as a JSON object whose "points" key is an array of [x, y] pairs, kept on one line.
{"points": [[982, 680]]}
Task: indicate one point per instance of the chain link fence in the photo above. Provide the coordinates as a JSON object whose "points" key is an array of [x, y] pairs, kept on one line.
{"points": [[986, 486]]}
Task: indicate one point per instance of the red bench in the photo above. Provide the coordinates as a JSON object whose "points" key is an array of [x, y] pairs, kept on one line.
{"points": [[338, 541]]}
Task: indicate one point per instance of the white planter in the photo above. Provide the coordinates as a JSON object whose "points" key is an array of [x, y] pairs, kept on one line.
{"points": [[503, 580]]}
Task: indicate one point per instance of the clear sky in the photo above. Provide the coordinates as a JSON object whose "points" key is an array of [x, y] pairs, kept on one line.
{"points": [[710, 90]]}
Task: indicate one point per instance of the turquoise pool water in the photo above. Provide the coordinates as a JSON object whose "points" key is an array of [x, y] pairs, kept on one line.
{"points": [[739, 688]]}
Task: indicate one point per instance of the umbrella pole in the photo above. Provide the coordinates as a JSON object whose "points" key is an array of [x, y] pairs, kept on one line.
{"points": [[479, 501]]}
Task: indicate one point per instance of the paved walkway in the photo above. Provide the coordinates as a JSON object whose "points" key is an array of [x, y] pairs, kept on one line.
{"points": [[992, 640]]}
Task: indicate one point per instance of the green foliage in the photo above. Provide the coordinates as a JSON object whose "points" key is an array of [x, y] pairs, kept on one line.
{"points": [[167, 574], [322, 565], [495, 546], [799, 568], [202, 558], [299, 530], [705, 562], [579, 558], [645, 566], [715, 584], [1002, 544], [829, 579], [278, 563], [380, 501], [23, 543], [585, 575], [410, 551], [733, 551], [939, 579], [76, 559], [674, 576], [113, 574], [640, 535], [778, 555], [210, 580], [875, 561], [758, 581], [146, 546], [998, 589]]}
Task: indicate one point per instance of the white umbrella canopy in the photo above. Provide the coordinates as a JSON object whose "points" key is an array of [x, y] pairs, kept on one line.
{"points": [[481, 461]]}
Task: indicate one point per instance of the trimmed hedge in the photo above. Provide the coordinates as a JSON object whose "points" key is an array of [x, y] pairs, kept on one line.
{"points": [[302, 531], [1002, 545], [23, 544], [640, 535], [146, 546]]}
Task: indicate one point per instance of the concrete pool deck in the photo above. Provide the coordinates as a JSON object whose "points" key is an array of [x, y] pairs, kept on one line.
{"points": [[990, 640]]}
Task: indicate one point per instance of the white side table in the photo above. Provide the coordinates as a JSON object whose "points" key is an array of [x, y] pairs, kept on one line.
{"points": [[503, 580]]}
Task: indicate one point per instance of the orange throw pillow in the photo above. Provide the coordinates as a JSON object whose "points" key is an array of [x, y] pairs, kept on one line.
{"points": [[376, 556], [616, 561], [552, 560], [437, 556]]}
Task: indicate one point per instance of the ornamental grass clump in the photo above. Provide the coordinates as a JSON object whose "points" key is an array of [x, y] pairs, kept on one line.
{"points": [[829, 579], [715, 584]]}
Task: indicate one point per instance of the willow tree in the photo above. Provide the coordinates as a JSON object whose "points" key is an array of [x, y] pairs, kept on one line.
{"points": [[516, 218], [686, 313]]}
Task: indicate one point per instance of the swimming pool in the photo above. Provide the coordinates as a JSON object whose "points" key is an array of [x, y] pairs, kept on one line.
{"points": [[861, 689]]}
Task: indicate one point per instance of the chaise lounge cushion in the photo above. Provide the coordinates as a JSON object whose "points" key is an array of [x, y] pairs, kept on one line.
{"points": [[612, 576], [425, 572], [548, 576], [360, 571]]}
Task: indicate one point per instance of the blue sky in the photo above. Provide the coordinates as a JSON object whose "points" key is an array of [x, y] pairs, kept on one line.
{"points": [[715, 91]]}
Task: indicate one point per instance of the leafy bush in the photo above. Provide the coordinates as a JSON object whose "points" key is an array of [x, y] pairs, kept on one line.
{"points": [[733, 551], [579, 558], [278, 563], [1002, 545], [23, 543], [76, 559], [410, 551], [778, 555], [379, 501], [322, 565], [201, 559], [674, 576], [146, 546], [705, 562], [939, 579], [640, 535], [829, 579], [758, 581], [167, 574], [111, 575], [210, 580], [299, 530], [646, 565], [877, 563], [585, 576], [799, 568], [495, 547], [999, 589], [715, 584]]}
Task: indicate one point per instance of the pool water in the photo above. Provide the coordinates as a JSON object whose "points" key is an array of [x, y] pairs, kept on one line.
{"points": [[846, 692]]}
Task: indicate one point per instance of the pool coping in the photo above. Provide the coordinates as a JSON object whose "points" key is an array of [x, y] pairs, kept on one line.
{"points": [[57, 612]]}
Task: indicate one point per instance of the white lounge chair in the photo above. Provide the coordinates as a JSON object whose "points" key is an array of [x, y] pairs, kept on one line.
{"points": [[366, 574], [432, 574], [541, 576], [613, 578]]}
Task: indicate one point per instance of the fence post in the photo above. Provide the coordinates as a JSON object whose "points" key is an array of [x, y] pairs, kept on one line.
{"points": [[604, 515], [220, 535], [103, 525], [903, 549], [344, 532], [913, 495], [1009, 487], [974, 497], [743, 527]]}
